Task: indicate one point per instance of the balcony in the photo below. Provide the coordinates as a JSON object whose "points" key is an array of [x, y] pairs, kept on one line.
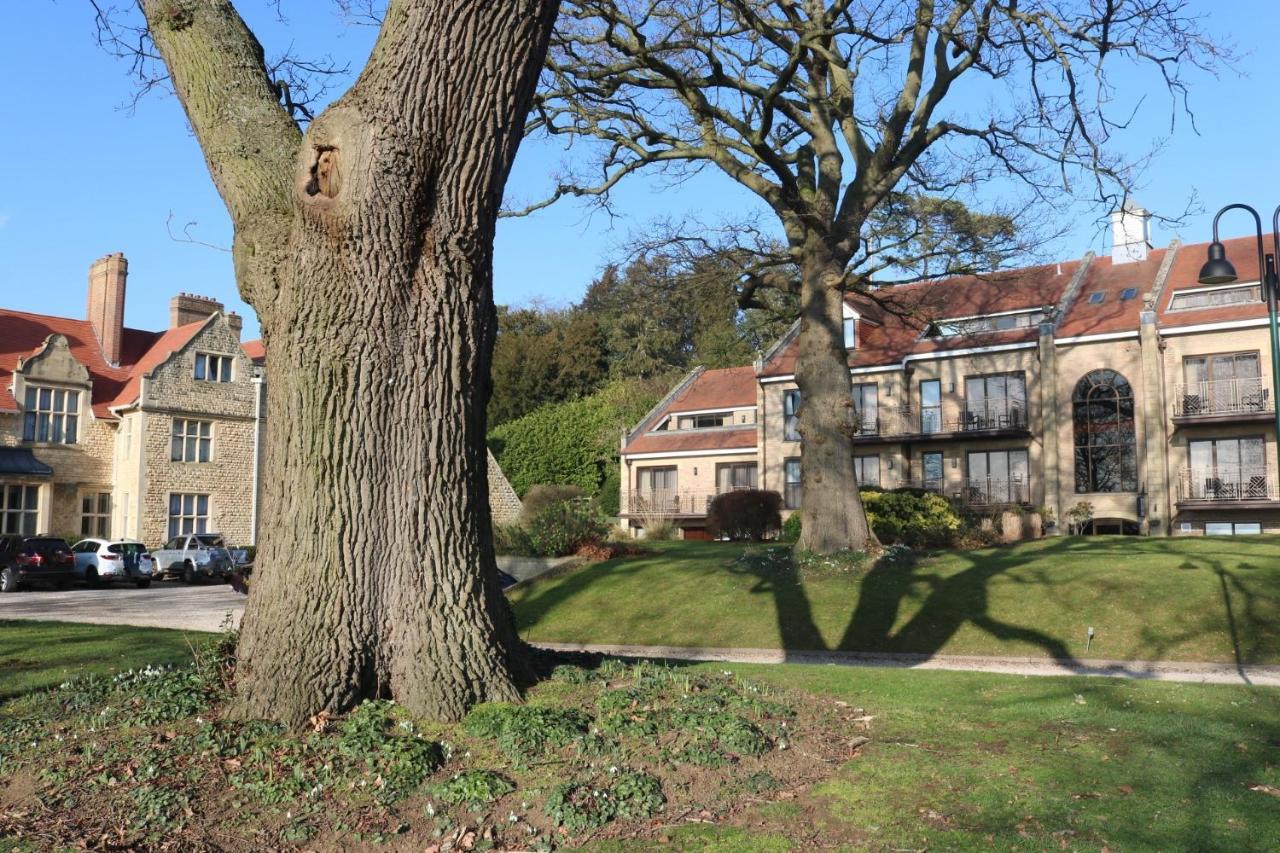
{"points": [[1223, 401], [992, 418], [674, 503], [1240, 487], [979, 491]]}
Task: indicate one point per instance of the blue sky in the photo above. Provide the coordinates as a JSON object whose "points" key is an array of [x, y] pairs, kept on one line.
{"points": [[81, 177]]}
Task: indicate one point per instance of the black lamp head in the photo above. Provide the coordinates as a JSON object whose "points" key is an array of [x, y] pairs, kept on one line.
{"points": [[1217, 270]]}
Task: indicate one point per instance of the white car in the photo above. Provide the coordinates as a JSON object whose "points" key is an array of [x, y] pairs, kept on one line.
{"points": [[100, 561]]}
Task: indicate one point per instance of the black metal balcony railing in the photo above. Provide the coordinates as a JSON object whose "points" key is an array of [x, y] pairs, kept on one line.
{"points": [[1217, 485], [973, 417], [979, 491], [671, 502], [986, 491], [1249, 396]]}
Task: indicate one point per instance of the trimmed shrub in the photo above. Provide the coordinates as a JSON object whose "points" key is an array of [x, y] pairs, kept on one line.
{"points": [[791, 528], [574, 442], [747, 514], [541, 498], [563, 528], [918, 519]]}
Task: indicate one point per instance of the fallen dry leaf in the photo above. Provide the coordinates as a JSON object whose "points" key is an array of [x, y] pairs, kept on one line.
{"points": [[1265, 789]]}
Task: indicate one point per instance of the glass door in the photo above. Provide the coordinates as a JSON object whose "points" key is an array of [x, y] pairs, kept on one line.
{"points": [[931, 471], [931, 406], [866, 408]]}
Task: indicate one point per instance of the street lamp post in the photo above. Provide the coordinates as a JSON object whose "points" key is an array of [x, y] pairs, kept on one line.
{"points": [[1218, 270]]}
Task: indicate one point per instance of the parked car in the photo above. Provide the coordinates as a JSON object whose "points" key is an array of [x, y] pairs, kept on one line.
{"points": [[105, 561], [193, 557], [34, 559]]}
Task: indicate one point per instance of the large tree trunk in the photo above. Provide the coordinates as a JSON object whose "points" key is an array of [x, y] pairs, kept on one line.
{"points": [[832, 517], [368, 256]]}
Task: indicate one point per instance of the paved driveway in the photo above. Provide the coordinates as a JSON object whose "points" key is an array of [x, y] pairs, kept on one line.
{"points": [[166, 604]]}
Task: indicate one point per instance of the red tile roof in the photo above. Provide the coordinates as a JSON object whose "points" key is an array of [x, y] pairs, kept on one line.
{"points": [[743, 437], [1243, 254], [726, 388], [904, 312], [22, 334], [256, 350], [165, 345], [1113, 313]]}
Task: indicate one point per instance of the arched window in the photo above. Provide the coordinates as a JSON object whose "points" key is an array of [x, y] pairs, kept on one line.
{"points": [[1106, 449]]}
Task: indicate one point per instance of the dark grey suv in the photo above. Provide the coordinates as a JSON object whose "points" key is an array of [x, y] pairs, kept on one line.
{"points": [[25, 560]]}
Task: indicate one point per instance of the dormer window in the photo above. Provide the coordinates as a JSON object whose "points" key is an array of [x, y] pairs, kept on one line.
{"points": [[51, 415], [850, 333], [987, 323], [705, 420], [1215, 297]]}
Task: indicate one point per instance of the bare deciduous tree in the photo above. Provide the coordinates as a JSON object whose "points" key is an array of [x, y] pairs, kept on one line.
{"points": [[365, 245], [872, 130]]}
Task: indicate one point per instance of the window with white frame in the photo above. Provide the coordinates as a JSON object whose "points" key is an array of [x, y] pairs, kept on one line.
{"points": [[213, 368], [51, 415], [95, 514], [791, 415], [992, 323], [191, 440], [188, 514], [19, 509], [850, 333]]}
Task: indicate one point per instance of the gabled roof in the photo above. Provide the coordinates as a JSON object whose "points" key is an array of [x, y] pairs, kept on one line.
{"points": [[905, 311], [726, 388], [23, 334], [1185, 272], [256, 350], [160, 351], [705, 390]]}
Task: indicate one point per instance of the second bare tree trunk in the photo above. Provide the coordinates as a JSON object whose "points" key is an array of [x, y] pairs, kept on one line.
{"points": [[832, 517]]}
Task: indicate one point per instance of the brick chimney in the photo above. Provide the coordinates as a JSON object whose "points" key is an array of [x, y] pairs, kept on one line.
{"points": [[188, 308], [236, 322], [107, 276]]}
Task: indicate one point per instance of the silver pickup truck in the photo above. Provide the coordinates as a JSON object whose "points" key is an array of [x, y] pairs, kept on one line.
{"points": [[193, 557]]}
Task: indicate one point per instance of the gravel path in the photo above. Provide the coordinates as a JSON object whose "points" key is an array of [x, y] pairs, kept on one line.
{"points": [[1199, 673]]}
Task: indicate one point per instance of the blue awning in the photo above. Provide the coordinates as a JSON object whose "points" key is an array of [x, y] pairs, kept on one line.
{"points": [[18, 461]]}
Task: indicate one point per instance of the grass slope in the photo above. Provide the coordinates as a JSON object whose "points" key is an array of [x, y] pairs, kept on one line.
{"points": [[966, 761], [957, 761], [1204, 599], [40, 655]]}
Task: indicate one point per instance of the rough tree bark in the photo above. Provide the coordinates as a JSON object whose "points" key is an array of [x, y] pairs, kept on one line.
{"points": [[365, 246]]}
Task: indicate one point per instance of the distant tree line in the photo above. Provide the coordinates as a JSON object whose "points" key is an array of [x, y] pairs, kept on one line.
{"points": [[659, 315], [567, 381]]}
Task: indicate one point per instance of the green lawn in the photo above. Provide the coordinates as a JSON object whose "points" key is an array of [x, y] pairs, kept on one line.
{"points": [[1205, 599], [39, 655], [974, 762], [964, 761]]}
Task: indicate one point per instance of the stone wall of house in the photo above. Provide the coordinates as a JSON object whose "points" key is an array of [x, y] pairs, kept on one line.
{"points": [[172, 392]]}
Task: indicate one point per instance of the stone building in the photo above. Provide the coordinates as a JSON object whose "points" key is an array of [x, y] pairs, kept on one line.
{"points": [[1115, 381], [119, 432]]}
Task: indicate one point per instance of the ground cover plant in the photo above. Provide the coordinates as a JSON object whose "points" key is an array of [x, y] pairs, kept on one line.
{"points": [[937, 760], [1201, 599], [148, 758]]}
